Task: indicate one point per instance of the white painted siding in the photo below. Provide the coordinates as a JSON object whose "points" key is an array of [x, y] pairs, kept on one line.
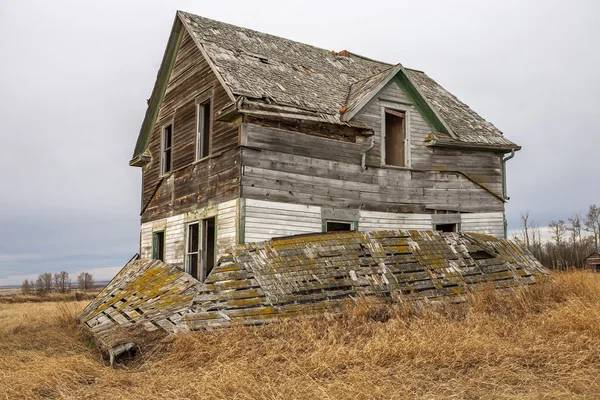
{"points": [[374, 221], [265, 220], [146, 240], [175, 240], [487, 223], [175, 231], [226, 225]]}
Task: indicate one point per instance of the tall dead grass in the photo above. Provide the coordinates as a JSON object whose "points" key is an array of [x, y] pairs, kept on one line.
{"points": [[536, 342]]}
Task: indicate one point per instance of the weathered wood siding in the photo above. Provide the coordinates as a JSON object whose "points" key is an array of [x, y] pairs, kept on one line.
{"points": [[374, 220], [486, 223], [484, 167], [592, 263], [292, 167], [190, 77], [175, 231], [265, 220], [206, 183]]}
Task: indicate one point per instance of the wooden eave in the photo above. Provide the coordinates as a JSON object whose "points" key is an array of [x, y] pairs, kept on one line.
{"points": [[474, 146]]}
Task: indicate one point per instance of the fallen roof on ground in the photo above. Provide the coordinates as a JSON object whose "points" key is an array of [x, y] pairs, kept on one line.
{"points": [[310, 274]]}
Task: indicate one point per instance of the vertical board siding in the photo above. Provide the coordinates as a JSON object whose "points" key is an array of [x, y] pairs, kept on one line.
{"points": [[486, 223], [175, 232], [265, 220], [191, 75], [483, 167]]}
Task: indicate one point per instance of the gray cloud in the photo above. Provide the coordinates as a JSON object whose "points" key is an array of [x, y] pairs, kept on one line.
{"points": [[75, 77]]}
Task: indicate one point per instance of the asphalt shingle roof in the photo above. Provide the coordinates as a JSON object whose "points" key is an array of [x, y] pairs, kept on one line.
{"points": [[283, 72]]}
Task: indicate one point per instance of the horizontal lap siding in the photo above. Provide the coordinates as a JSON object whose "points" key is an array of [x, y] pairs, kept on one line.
{"points": [[486, 223], [191, 76], [483, 167], [205, 183], [226, 225], [265, 220], [175, 231], [374, 221], [284, 177]]}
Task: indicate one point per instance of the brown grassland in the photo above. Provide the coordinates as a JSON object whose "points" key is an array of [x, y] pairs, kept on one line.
{"points": [[539, 342]]}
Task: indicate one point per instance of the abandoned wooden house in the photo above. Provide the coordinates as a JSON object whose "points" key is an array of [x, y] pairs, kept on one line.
{"points": [[249, 137], [284, 180], [592, 262]]}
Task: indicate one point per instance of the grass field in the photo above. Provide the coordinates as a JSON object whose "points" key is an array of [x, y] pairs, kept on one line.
{"points": [[541, 342]]}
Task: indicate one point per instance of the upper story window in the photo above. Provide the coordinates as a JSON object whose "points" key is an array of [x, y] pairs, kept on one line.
{"points": [[396, 138], [166, 149], [203, 129]]}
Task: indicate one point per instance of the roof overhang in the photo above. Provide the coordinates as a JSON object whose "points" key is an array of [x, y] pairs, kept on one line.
{"points": [[432, 142]]}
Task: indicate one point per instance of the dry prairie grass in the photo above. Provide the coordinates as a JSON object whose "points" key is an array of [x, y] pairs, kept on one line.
{"points": [[17, 297], [540, 342]]}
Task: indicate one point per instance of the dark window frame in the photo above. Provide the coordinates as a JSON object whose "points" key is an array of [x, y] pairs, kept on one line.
{"points": [[204, 125], [166, 149], [396, 111], [159, 245], [352, 224]]}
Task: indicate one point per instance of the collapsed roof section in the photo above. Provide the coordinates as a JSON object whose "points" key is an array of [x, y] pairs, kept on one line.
{"points": [[281, 77], [306, 275]]}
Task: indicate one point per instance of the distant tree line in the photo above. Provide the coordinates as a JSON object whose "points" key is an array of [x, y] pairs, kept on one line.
{"points": [[570, 242], [60, 282]]}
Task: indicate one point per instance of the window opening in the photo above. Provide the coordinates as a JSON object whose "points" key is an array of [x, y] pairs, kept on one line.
{"points": [[193, 249], [203, 130], [158, 245], [446, 228], [394, 138], [338, 226], [166, 142]]}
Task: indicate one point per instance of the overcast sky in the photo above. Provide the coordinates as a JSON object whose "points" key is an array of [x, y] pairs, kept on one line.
{"points": [[75, 77]]}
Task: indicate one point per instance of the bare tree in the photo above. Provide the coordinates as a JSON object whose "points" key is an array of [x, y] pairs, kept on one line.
{"points": [[526, 228], [558, 229], [27, 287], [592, 223], [574, 228], [62, 282], [86, 281], [43, 284]]}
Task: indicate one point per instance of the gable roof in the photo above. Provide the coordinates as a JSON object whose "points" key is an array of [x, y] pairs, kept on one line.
{"points": [[273, 75], [594, 253]]}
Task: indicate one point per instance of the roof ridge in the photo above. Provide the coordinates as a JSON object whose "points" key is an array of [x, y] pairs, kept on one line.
{"points": [[279, 37]]}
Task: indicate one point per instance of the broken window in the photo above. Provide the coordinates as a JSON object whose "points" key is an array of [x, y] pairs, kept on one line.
{"points": [[394, 138], [201, 248], [446, 228], [158, 245], [202, 130], [166, 143], [208, 247], [337, 226]]}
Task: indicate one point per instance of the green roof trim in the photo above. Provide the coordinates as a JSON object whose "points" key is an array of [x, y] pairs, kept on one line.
{"points": [[159, 88]]}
